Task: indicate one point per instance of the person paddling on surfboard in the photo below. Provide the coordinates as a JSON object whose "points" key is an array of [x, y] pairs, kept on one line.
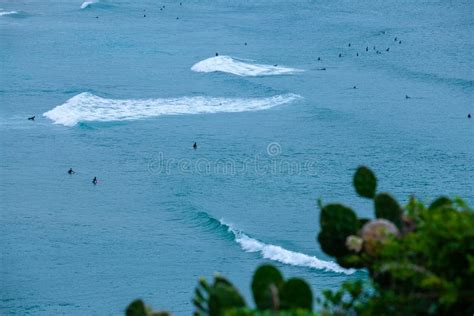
{"points": [[70, 171], [94, 181], [195, 146]]}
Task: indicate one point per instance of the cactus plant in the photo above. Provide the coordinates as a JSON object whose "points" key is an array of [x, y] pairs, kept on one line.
{"points": [[266, 280], [439, 202], [214, 299], [296, 293], [337, 222], [136, 308], [365, 182], [388, 208]]}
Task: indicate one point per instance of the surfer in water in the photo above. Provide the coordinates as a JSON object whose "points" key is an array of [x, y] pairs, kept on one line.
{"points": [[70, 171], [94, 181], [469, 116], [217, 54], [195, 146], [31, 118]]}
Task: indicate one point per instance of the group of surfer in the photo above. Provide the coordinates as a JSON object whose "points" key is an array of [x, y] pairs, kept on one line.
{"points": [[161, 9], [71, 172], [95, 181]]}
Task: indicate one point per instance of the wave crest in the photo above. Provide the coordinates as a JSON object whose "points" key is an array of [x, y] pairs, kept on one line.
{"points": [[240, 68], [86, 107], [3, 12], [86, 4], [269, 251]]}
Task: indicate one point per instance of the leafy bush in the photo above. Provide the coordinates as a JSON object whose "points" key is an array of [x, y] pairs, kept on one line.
{"points": [[420, 261]]}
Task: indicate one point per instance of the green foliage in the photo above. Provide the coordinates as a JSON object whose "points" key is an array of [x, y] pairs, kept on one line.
{"points": [[138, 308], [270, 291], [365, 182], [348, 300], [295, 294], [440, 202], [421, 262], [265, 284], [337, 222], [214, 299], [252, 312], [387, 207]]}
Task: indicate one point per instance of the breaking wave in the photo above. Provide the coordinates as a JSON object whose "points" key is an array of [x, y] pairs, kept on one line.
{"points": [[86, 4], [240, 68], [3, 12], [86, 107], [269, 251]]}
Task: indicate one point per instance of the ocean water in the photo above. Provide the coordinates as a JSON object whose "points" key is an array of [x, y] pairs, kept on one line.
{"points": [[123, 97]]}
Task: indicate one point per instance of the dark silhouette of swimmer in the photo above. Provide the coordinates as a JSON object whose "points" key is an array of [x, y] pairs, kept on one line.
{"points": [[245, 43], [374, 47], [349, 45], [324, 68], [354, 87], [144, 15], [94, 181], [407, 97], [217, 54], [177, 18], [70, 171], [31, 118], [469, 116], [378, 52], [276, 65], [319, 58], [367, 48], [388, 49], [180, 3], [195, 146], [96, 17], [400, 42], [395, 39], [340, 55], [357, 54]]}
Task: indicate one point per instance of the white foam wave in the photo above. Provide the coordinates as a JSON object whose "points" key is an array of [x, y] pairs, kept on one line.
{"points": [[86, 107], [277, 253], [86, 4], [2, 12], [240, 68]]}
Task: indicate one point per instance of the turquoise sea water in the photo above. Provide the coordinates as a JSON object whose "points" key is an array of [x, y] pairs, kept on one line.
{"points": [[274, 133]]}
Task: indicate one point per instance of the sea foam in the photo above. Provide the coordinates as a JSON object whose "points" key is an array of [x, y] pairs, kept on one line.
{"points": [[267, 251], [86, 4], [86, 107], [2, 12], [240, 67], [280, 254]]}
